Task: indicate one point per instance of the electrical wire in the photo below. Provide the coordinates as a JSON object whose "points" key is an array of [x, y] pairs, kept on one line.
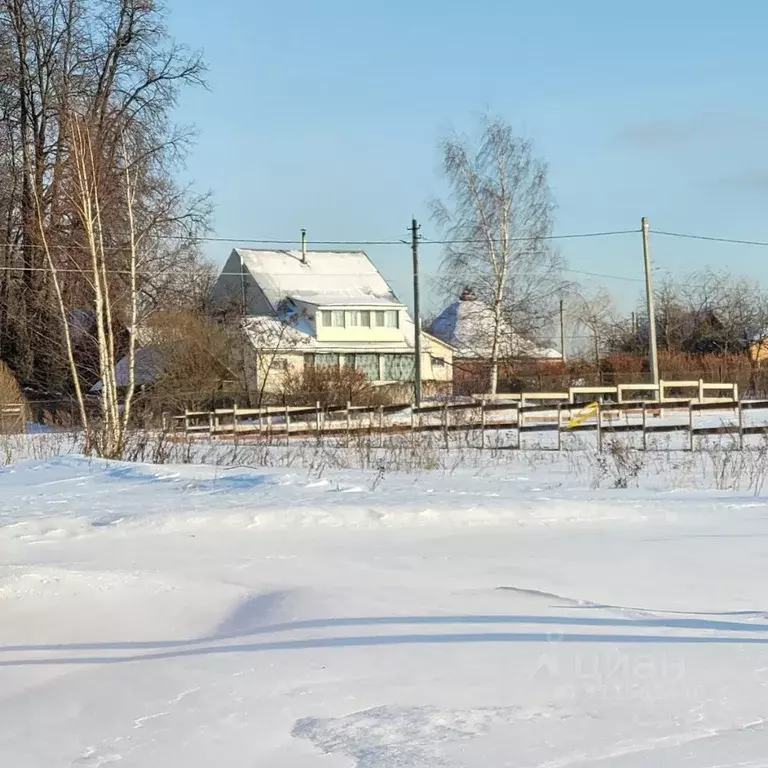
{"points": [[278, 241], [688, 236]]}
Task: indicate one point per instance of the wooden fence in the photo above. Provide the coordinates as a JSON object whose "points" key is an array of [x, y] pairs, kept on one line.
{"points": [[646, 418]]}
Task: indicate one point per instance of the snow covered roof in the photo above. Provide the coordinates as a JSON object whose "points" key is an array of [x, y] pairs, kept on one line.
{"points": [[468, 326], [324, 278]]}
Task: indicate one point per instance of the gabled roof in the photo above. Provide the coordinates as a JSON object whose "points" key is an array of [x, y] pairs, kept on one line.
{"points": [[468, 326], [324, 278]]}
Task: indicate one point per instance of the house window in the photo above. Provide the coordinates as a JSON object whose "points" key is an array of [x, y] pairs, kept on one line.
{"points": [[358, 319], [397, 367], [379, 318], [326, 317], [337, 318], [438, 362], [369, 365], [392, 318], [309, 360], [327, 360]]}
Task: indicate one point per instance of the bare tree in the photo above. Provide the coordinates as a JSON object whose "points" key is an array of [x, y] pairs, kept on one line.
{"points": [[595, 313], [113, 65], [497, 219], [92, 183]]}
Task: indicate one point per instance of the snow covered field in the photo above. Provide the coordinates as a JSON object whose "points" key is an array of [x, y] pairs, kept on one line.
{"points": [[508, 615]]}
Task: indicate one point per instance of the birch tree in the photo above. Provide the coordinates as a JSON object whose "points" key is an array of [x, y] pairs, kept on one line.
{"points": [[496, 220], [113, 64], [109, 272]]}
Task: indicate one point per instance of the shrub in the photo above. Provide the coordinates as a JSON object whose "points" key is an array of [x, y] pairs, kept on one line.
{"points": [[330, 385]]}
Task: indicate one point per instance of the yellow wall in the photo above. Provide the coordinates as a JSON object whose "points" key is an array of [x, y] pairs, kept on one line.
{"points": [[357, 334]]}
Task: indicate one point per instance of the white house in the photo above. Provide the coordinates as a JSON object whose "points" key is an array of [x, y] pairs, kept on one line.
{"points": [[467, 325], [325, 308]]}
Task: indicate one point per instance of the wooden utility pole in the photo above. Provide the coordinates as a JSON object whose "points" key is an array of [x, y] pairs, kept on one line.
{"points": [[562, 330], [654, 358], [416, 315]]}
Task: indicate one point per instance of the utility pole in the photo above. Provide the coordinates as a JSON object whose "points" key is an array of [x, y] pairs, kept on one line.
{"points": [[654, 357], [416, 314], [562, 330]]}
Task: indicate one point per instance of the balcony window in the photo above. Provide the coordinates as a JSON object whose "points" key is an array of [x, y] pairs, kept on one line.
{"points": [[337, 318], [379, 318], [357, 318], [326, 317], [392, 318]]}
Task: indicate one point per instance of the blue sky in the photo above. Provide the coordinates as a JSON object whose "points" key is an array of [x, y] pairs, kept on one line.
{"points": [[326, 114]]}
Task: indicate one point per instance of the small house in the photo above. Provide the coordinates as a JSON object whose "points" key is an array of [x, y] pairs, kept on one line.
{"points": [[324, 308]]}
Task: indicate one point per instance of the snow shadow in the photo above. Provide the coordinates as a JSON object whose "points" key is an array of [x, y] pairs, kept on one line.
{"points": [[241, 625]]}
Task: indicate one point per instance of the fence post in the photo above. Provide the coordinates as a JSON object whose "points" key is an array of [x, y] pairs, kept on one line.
{"points": [[211, 423], [349, 422], [287, 426], [599, 426], [186, 421], [317, 418], [234, 419], [690, 425], [701, 390], [261, 422], [645, 425], [482, 423], [519, 438], [741, 425], [381, 426], [736, 392], [559, 426]]}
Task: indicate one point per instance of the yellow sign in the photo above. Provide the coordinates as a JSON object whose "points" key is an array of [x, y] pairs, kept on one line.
{"points": [[584, 414]]}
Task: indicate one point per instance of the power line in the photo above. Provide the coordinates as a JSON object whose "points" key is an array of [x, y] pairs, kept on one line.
{"points": [[571, 236], [277, 241], [604, 275], [687, 236], [183, 270]]}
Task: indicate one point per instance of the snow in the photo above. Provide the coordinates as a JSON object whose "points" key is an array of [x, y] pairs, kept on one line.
{"points": [[504, 615], [467, 325], [338, 275]]}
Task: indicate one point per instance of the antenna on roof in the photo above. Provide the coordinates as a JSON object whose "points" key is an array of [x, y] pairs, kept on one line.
{"points": [[303, 246]]}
